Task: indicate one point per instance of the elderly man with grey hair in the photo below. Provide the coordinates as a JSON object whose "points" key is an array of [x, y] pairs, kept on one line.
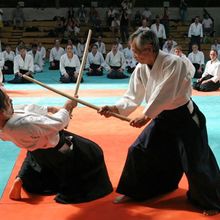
{"points": [[175, 138]]}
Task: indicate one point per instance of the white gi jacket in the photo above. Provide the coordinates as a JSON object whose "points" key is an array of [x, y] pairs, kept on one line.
{"points": [[212, 68], [66, 62], [166, 86], [55, 53], [31, 128], [25, 64]]}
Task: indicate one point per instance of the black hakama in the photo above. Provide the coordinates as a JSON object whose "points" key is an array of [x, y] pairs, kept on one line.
{"points": [[153, 165], [76, 175]]}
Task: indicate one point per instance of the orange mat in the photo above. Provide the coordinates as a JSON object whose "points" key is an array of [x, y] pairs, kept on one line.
{"points": [[114, 136]]}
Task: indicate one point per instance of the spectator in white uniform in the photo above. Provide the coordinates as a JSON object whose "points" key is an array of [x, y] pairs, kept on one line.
{"points": [[55, 53], [42, 51], [23, 65], [159, 30], [9, 56], [211, 76], [95, 62], [179, 52], [69, 66], [38, 61], [198, 60], [116, 63], [2, 62], [195, 33], [101, 46], [129, 59]]}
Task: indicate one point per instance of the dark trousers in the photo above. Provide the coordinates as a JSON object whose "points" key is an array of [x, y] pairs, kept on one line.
{"points": [[206, 87], [195, 40], [171, 144], [76, 175], [95, 71], [56, 66], [10, 65], [115, 74], [19, 79], [71, 77], [197, 74]]}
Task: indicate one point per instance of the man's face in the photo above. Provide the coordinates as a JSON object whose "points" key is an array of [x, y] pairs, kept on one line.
{"points": [[143, 55]]}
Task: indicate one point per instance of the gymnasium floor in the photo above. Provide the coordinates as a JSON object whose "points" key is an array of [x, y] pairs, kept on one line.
{"points": [[114, 136]]}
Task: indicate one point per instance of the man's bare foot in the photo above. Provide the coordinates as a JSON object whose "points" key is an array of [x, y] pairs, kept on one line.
{"points": [[15, 192], [121, 199], [211, 212]]}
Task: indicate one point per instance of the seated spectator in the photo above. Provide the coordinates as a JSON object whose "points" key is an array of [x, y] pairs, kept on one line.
{"points": [[2, 62], [59, 26], [95, 62], [120, 46], [18, 17], [129, 59], [170, 38], [101, 46], [23, 65], [80, 47], [75, 51], [55, 53], [198, 60], [211, 77], [38, 61], [216, 45], [207, 25], [178, 51], [69, 66], [116, 63], [20, 43], [159, 30], [169, 47], [9, 55], [42, 51], [144, 26]]}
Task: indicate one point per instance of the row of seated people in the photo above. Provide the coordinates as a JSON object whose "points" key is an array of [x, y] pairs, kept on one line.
{"points": [[209, 78], [115, 62], [67, 62]]}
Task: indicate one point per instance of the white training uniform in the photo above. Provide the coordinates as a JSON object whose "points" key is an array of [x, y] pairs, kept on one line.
{"points": [[189, 64], [38, 61], [55, 53], [160, 32], [129, 58], [198, 57], [66, 62], [101, 47], [98, 59], [9, 56], [32, 128], [213, 69], [25, 64], [115, 60], [157, 87]]}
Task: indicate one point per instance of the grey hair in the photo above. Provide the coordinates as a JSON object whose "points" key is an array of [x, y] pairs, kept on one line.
{"points": [[145, 37]]}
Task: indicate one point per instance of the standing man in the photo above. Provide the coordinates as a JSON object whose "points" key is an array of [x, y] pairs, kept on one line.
{"points": [[195, 33], [175, 140]]}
